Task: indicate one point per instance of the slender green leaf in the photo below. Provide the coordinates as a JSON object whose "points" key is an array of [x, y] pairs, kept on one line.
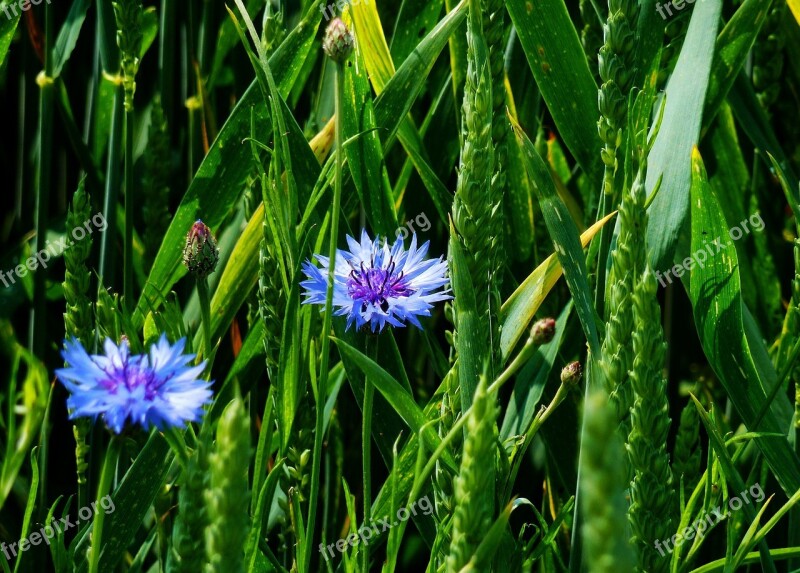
{"points": [[669, 160]]}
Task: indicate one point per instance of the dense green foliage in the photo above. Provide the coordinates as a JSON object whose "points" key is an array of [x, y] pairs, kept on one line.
{"points": [[186, 170]]}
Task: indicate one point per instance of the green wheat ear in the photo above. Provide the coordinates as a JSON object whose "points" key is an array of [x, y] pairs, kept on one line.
{"points": [[155, 183], [768, 58], [78, 316], [688, 454], [476, 209], [187, 554], [129, 15], [616, 69], [475, 483], [228, 499], [78, 321], [616, 357], [652, 496], [603, 484]]}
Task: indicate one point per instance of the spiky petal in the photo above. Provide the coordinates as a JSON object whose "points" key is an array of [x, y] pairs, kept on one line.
{"points": [[375, 285], [157, 389]]}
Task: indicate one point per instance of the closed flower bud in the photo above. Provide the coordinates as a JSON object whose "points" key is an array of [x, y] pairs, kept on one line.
{"points": [[200, 255], [543, 331], [338, 41], [572, 373]]}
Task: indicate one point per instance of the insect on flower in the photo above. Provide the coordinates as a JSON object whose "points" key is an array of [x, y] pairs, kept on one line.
{"points": [[375, 284], [156, 389]]}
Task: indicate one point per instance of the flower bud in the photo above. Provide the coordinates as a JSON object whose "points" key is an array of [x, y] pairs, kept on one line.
{"points": [[200, 255], [338, 41], [543, 331], [572, 373]]}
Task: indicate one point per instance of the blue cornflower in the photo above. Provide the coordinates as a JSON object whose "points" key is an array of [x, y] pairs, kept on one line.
{"points": [[157, 389], [375, 284]]}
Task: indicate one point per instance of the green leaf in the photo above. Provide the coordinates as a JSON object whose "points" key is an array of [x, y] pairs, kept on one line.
{"points": [[517, 312], [365, 155], [219, 181], [530, 382], [717, 443], [7, 28], [733, 45], [132, 501], [398, 397], [558, 63], [68, 35], [718, 312], [564, 235], [415, 19], [33, 493], [669, 159]]}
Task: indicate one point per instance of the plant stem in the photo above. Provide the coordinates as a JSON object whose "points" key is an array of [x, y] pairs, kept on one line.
{"points": [[127, 284], [326, 324], [109, 468], [109, 57], [46, 99], [205, 313], [366, 443]]}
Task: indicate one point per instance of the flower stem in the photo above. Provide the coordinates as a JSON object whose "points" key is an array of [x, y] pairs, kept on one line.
{"points": [[205, 313], [366, 443], [127, 283], [326, 321], [109, 467], [38, 319]]}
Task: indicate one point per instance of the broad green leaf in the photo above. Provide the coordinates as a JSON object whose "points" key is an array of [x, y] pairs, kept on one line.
{"points": [[670, 157], [558, 63], [518, 200], [718, 312]]}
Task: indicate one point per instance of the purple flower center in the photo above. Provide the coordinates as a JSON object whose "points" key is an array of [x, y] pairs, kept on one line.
{"points": [[132, 376], [374, 285]]}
